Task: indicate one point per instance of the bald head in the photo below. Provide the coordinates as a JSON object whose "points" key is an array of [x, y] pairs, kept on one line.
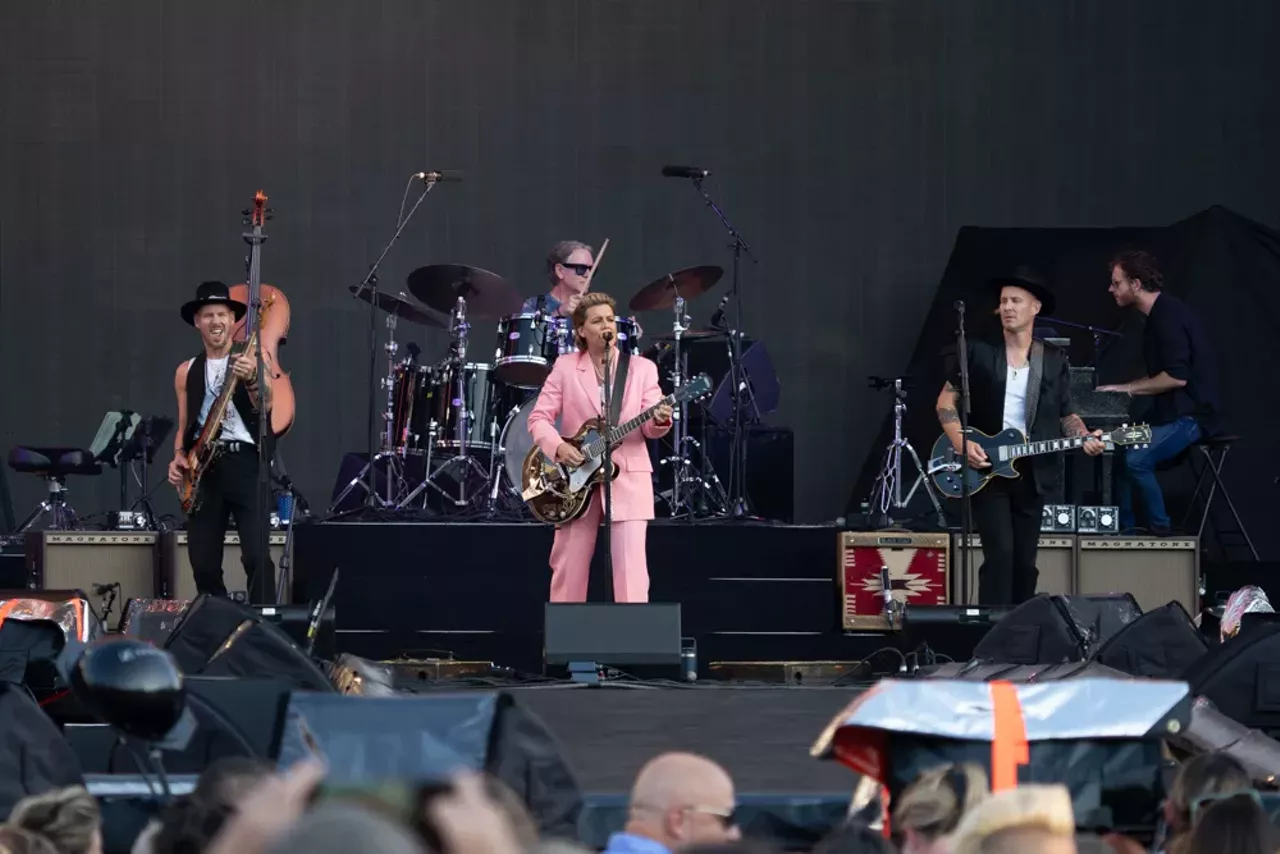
{"points": [[683, 799]]}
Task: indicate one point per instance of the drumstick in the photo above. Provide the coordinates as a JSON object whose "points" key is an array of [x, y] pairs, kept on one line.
{"points": [[596, 265]]}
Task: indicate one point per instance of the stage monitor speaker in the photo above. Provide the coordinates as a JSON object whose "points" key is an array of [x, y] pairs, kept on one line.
{"points": [[979, 670], [1156, 569], [950, 630], [1055, 558], [177, 580], [1160, 644], [618, 634], [77, 560], [218, 637], [427, 739], [1241, 677], [1056, 629]]}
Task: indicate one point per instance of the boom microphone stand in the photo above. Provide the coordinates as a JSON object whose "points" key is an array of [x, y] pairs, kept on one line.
{"points": [[608, 468], [966, 511], [370, 283], [738, 443]]}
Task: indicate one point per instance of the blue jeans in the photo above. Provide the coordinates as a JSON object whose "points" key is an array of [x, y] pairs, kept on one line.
{"points": [[1138, 470]]}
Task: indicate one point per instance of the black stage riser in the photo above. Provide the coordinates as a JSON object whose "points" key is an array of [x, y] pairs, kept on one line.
{"points": [[478, 577]]}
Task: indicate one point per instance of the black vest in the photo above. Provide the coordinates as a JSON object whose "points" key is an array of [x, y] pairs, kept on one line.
{"points": [[195, 399]]}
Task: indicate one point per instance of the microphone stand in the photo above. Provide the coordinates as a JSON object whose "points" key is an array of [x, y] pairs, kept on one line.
{"points": [[1093, 331], [370, 282], [966, 510], [608, 470], [738, 443]]}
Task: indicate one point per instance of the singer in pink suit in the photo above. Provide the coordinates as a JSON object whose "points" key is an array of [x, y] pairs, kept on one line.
{"points": [[574, 392]]}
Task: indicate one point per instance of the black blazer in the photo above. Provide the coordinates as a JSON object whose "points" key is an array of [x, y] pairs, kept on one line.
{"points": [[987, 370]]}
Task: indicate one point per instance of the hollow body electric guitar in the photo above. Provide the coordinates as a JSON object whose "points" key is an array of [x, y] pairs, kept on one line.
{"points": [[558, 492], [1006, 448]]}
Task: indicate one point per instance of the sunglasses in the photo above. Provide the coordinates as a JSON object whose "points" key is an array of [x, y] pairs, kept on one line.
{"points": [[1199, 805], [727, 819], [580, 269]]}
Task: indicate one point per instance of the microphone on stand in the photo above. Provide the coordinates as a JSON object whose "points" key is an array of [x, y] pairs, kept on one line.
{"points": [[437, 177], [608, 338], [886, 591], [684, 172], [718, 317]]}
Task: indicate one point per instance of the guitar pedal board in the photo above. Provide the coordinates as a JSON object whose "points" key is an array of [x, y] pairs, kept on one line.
{"points": [[1069, 519]]}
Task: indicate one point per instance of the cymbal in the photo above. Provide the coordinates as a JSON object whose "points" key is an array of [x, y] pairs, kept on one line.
{"points": [[487, 294], [687, 283], [399, 306]]}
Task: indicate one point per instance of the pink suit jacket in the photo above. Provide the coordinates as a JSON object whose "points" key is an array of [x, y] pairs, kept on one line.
{"points": [[572, 394]]}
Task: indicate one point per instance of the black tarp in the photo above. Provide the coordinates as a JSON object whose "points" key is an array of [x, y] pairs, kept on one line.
{"points": [[34, 757], [1225, 266]]}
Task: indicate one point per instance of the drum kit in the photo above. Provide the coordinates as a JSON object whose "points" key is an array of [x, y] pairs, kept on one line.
{"points": [[463, 422]]}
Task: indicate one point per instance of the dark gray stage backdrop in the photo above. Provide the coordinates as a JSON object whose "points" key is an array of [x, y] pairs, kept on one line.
{"points": [[849, 142]]}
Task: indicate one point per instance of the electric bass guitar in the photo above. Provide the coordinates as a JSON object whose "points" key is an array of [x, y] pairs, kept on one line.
{"points": [[205, 449], [1006, 448], [558, 492]]}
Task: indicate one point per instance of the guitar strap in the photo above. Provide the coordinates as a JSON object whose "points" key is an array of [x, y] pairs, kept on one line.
{"points": [[1033, 383], [619, 386]]}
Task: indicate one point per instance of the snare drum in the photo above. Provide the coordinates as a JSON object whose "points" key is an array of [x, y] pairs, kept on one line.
{"points": [[444, 408], [528, 345]]}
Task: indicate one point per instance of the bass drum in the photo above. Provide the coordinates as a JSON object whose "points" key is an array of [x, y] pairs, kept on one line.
{"points": [[516, 443]]}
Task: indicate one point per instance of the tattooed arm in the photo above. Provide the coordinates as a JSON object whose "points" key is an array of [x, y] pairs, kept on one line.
{"points": [[1073, 425], [949, 418]]}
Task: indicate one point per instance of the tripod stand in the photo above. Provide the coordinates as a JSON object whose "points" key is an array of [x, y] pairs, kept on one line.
{"points": [[461, 406], [886, 494], [394, 484]]}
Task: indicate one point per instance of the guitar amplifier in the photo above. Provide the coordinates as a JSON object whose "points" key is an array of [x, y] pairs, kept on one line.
{"points": [[178, 582], [1055, 558], [1156, 570], [919, 571], [77, 560]]}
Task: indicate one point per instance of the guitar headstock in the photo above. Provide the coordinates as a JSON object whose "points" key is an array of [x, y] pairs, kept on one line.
{"points": [[1131, 434], [699, 386]]}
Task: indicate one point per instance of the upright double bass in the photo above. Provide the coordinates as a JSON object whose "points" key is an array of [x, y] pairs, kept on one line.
{"points": [[273, 332]]}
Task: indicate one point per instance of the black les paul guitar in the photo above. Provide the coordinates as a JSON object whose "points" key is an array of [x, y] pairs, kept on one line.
{"points": [[1006, 448]]}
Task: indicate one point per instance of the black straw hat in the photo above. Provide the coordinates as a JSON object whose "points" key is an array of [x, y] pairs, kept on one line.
{"points": [[212, 293], [1029, 280]]}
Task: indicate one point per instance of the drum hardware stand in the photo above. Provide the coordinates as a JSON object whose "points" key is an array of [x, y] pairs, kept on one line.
{"points": [[886, 494], [458, 328], [683, 481], [738, 504], [390, 451], [370, 283]]}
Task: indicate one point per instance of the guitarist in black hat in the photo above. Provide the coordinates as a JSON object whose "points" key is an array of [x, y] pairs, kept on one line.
{"points": [[229, 487], [1025, 384]]}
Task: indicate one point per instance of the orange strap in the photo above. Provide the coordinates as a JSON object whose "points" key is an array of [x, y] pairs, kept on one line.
{"points": [[1009, 747], [6, 608]]}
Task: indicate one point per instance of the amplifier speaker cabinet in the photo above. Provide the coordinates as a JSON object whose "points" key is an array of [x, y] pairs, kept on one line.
{"points": [[1156, 570], [77, 560], [176, 579], [919, 572], [1055, 558]]}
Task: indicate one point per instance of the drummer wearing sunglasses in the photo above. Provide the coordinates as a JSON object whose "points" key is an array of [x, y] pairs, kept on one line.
{"points": [[569, 265], [678, 800]]}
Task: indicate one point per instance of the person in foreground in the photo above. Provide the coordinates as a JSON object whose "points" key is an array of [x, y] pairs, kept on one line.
{"points": [[678, 800], [1181, 383], [928, 811], [574, 392], [1035, 818], [230, 484], [1024, 384]]}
